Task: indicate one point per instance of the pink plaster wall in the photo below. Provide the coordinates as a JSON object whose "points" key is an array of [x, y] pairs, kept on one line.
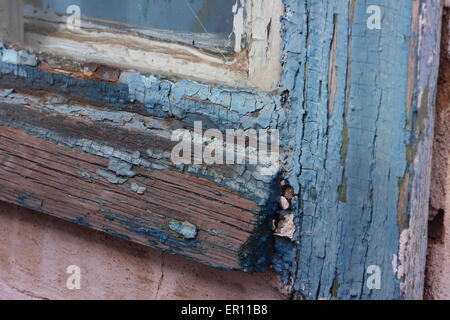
{"points": [[36, 249], [438, 261]]}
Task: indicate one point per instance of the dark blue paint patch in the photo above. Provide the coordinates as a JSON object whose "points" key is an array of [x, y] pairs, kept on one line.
{"points": [[80, 221], [116, 234]]}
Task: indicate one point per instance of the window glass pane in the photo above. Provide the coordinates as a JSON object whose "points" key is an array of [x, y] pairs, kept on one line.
{"points": [[194, 16]]}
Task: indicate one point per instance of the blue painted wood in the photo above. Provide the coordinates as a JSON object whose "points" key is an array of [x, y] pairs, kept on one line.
{"points": [[355, 113], [362, 116]]}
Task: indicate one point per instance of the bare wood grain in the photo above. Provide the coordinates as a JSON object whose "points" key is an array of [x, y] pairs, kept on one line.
{"points": [[64, 182]]}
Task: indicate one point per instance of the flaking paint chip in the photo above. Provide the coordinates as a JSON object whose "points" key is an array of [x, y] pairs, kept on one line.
{"points": [[286, 227], [137, 188], [186, 229], [284, 203]]}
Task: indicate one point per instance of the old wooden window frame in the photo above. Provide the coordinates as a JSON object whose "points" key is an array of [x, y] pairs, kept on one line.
{"points": [[354, 210], [257, 65]]}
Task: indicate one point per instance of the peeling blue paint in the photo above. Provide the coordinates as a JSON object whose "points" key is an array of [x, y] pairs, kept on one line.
{"points": [[110, 177], [17, 57], [116, 234], [121, 168], [344, 166], [186, 229], [137, 188], [80, 221], [342, 157]]}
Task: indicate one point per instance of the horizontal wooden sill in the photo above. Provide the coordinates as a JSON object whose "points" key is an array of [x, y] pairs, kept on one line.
{"points": [[64, 158]]}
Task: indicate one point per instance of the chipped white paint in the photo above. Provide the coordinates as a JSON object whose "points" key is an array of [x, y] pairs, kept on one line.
{"points": [[238, 24], [265, 43], [126, 51]]}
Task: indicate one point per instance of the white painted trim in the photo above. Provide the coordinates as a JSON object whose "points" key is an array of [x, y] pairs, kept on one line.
{"points": [[11, 21], [265, 47]]}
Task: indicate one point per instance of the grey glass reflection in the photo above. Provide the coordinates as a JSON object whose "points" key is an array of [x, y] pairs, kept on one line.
{"points": [[193, 16]]}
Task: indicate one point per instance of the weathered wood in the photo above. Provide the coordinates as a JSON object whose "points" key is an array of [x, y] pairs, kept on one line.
{"points": [[355, 114], [50, 175], [11, 21], [115, 114], [362, 163]]}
